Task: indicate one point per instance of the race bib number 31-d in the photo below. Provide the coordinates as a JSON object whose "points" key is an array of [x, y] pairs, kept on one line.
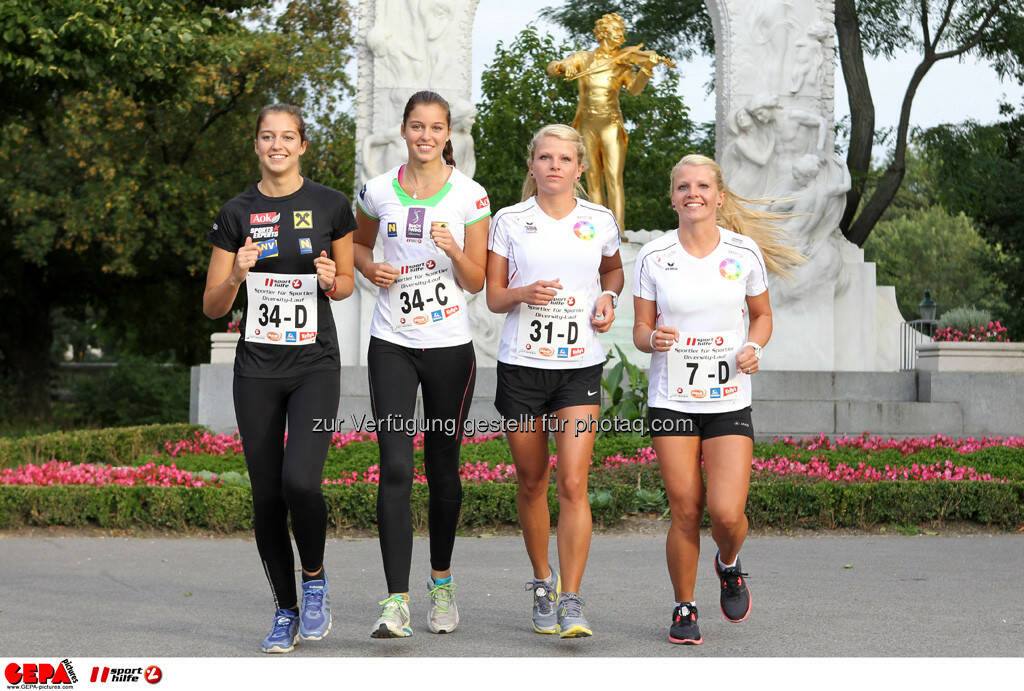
{"points": [[702, 367], [281, 308], [555, 331], [425, 294]]}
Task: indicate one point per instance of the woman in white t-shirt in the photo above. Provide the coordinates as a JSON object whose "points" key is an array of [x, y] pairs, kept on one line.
{"points": [[691, 291], [554, 268], [431, 223]]}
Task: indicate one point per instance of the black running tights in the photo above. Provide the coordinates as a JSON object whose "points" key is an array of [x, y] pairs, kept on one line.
{"points": [[447, 376], [287, 479]]}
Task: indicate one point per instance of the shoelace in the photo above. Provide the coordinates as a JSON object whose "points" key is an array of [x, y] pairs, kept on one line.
{"points": [[733, 579], [572, 605], [542, 595], [683, 612], [281, 628], [442, 596], [391, 605], [313, 599]]}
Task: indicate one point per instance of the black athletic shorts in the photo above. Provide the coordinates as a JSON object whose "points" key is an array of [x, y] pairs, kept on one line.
{"points": [[663, 422], [533, 392]]}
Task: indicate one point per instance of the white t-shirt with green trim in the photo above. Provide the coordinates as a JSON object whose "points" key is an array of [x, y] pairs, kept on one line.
{"points": [[431, 312]]}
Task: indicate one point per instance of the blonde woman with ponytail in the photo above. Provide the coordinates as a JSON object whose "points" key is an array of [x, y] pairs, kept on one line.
{"points": [[554, 269], [431, 223], [691, 290]]}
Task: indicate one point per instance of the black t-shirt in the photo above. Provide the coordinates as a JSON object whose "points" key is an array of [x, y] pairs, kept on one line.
{"points": [[292, 231]]}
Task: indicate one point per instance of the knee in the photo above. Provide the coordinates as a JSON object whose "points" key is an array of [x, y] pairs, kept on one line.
{"points": [[298, 491], [533, 486], [729, 519], [687, 512], [572, 489]]}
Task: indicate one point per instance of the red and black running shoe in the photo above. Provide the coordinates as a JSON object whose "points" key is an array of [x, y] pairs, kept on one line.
{"points": [[735, 597], [684, 629]]}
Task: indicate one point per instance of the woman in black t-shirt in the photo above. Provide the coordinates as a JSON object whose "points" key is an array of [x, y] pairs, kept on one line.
{"points": [[288, 239]]}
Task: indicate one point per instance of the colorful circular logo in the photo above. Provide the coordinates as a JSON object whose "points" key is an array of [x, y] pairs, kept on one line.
{"points": [[730, 269], [584, 230]]}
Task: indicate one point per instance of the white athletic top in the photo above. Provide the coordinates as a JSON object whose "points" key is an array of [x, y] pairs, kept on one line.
{"points": [[430, 316], [539, 247], [700, 296]]}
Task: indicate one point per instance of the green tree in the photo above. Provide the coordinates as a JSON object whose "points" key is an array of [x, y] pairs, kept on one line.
{"points": [[518, 97], [936, 31], [108, 189], [980, 172]]}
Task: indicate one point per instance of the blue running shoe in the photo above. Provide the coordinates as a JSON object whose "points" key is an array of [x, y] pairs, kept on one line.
{"points": [[283, 634], [315, 619]]}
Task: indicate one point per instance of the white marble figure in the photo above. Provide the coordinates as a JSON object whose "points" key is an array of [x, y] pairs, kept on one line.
{"points": [[809, 57], [751, 146]]}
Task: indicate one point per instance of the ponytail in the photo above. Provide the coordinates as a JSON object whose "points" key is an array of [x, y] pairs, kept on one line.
{"points": [[449, 153]]}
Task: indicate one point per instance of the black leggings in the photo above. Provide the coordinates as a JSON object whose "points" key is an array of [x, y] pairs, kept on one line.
{"points": [[447, 376], [287, 478]]}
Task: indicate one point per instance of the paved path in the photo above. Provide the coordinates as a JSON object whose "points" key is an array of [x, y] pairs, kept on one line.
{"points": [[903, 596]]}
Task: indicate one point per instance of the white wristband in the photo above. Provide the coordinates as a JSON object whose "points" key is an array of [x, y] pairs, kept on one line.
{"points": [[651, 341], [756, 346], [615, 297]]}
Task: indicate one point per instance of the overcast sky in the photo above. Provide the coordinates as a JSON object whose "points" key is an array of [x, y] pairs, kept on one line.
{"points": [[951, 92]]}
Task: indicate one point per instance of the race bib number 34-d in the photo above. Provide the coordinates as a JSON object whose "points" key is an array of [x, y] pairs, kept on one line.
{"points": [[702, 367], [555, 331], [281, 309], [425, 294]]}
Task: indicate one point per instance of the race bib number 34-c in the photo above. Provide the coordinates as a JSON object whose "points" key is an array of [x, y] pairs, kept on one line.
{"points": [[425, 294], [281, 308], [555, 331], [702, 367]]}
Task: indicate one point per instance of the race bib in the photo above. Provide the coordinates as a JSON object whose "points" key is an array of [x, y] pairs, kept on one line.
{"points": [[702, 367], [281, 308], [555, 331], [425, 294]]}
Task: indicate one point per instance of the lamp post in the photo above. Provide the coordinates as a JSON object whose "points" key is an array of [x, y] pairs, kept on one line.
{"points": [[927, 307]]}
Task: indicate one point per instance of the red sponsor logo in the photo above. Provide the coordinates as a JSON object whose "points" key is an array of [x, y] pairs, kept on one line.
{"points": [[546, 352], [730, 390], [482, 203], [105, 675], [153, 674], [577, 351], [402, 320], [719, 340], [32, 673], [268, 282], [296, 283], [405, 269], [264, 218], [528, 346], [691, 341], [419, 320], [256, 332], [571, 301], [306, 335], [430, 264], [698, 393], [274, 335], [449, 311], [679, 389]]}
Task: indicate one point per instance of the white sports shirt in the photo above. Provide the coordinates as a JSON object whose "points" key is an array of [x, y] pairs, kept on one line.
{"points": [[699, 296], [440, 314], [570, 249]]}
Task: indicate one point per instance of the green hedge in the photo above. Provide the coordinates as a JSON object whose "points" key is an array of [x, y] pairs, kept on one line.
{"points": [[114, 446], [775, 504]]}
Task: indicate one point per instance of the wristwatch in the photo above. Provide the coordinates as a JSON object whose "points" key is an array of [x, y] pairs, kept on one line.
{"points": [[756, 347], [615, 297]]}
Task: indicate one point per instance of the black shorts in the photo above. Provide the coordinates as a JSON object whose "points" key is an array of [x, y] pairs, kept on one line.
{"points": [[663, 422], [527, 392]]}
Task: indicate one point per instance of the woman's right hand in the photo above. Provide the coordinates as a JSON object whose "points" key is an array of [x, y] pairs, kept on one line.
{"points": [[381, 274], [663, 338], [539, 292], [245, 259]]}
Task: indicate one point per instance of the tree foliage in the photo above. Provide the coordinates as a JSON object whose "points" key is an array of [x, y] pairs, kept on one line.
{"points": [[518, 97]]}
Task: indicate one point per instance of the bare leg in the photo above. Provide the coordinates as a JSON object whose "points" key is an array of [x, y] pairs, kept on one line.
{"points": [[679, 459], [727, 463], [530, 455], [575, 524]]}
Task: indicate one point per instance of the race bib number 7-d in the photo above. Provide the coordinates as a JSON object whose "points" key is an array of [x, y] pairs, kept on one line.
{"points": [[555, 331], [702, 367], [281, 308]]}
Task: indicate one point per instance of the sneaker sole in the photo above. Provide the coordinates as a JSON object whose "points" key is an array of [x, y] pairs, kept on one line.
{"points": [[574, 632], [276, 649], [686, 641], [438, 629], [383, 631], [544, 631], [316, 636]]}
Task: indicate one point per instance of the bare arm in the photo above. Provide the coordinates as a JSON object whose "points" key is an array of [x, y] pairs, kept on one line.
{"points": [[224, 276], [469, 264], [760, 310], [378, 273], [612, 278], [645, 331]]}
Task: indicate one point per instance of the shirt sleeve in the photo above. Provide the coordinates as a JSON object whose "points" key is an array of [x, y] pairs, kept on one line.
{"points": [[345, 221], [366, 203], [757, 279], [611, 242], [478, 206], [225, 233], [497, 237], [643, 283]]}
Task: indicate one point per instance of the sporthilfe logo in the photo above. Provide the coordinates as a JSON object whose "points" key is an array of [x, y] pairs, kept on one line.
{"points": [[296, 283]]}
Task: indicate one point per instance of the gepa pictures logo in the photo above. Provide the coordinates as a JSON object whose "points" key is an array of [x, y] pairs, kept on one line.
{"points": [[30, 674]]}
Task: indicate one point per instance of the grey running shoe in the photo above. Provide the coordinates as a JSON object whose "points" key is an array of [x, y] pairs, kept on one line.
{"points": [[394, 619], [444, 615], [571, 622], [545, 595]]}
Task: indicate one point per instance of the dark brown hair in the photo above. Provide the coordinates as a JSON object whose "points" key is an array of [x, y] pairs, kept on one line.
{"points": [[427, 98], [294, 111]]}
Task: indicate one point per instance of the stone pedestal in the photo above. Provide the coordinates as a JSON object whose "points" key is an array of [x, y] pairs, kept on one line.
{"points": [[222, 347], [968, 356]]}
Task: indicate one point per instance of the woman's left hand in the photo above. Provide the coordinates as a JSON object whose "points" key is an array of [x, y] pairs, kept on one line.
{"points": [[746, 360], [442, 237], [604, 314], [325, 271]]}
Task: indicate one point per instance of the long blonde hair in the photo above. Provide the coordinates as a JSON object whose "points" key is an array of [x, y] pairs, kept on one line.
{"points": [[736, 214], [565, 133]]}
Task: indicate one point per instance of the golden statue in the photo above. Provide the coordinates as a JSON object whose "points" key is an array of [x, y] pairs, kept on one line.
{"points": [[601, 73]]}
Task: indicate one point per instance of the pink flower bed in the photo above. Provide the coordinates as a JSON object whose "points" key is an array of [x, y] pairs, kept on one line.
{"points": [[994, 331], [64, 473], [905, 446], [221, 444]]}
